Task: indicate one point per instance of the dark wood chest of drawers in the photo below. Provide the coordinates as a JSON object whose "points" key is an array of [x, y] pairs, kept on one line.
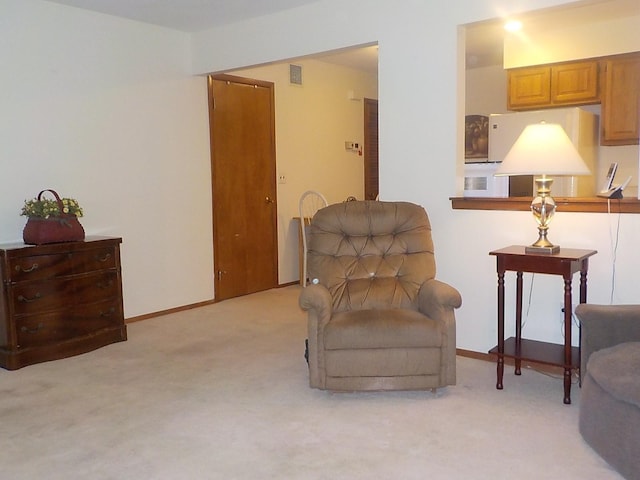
{"points": [[59, 300]]}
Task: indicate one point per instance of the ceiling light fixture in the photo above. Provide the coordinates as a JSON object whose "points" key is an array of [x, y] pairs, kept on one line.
{"points": [[513, 26]]}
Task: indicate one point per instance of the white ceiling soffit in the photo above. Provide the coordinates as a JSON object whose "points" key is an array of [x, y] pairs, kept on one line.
{"points": [[484, 40], [186, 15], [198, 15], [359, 58]]}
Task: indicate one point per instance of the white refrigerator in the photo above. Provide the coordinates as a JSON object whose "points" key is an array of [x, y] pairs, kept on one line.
{"points": [[581, 127]]}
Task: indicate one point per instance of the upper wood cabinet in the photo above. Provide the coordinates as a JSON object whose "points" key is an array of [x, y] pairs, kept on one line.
{"points": [[572, 83], [528, 87], [621, 100]]}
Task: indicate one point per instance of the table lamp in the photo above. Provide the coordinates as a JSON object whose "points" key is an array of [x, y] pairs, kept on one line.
{"points": [[543, 149]]}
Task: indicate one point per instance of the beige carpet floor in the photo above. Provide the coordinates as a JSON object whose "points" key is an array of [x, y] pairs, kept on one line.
{"points": [[221, 392]]}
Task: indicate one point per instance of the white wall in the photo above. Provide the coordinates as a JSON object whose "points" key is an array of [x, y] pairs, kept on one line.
{"points": [[422, 106], [105, 110], [486, 90], [312, 123]]}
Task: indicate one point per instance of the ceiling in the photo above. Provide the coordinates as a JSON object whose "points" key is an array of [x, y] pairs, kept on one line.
{"points": [[484, 40], [187, 15]]}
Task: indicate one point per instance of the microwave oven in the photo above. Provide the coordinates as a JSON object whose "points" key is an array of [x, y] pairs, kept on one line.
{"points": [[480, 182]]}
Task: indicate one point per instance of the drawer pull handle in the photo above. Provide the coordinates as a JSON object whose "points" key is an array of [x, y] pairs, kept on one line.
{"points": [[108, 313], [23, 299], [27, 270], [104, 258], [38, 327]]}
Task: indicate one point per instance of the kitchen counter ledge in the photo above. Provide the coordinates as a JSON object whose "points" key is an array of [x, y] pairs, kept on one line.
{"points": [[564, 204]]}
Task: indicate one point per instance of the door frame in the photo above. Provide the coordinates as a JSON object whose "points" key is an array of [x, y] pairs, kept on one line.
{"points": [[371, 151]]}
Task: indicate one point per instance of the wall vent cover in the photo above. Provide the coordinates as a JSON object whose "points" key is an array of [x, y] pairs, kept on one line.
{"points": [[295, 74]]}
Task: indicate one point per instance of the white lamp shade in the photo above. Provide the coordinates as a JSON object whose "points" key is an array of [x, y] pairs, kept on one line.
{"points": [[543, 149]]}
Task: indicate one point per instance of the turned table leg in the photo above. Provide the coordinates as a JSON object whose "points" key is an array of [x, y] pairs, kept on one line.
{"points": [[500, 368]]}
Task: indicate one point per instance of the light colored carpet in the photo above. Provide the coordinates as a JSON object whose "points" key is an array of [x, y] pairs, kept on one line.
{"points": [[221, 392]]}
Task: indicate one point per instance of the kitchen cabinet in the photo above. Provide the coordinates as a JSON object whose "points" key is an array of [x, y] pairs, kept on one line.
{"points": [[620, 122], [573, 83]]}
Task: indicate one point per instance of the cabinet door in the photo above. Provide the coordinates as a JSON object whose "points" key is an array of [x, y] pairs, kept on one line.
{"points": [[574, 83], [620, 101], [529, 88]]}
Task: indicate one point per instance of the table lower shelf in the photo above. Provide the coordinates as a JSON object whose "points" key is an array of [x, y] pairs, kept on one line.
{"points": [[538, 352]]}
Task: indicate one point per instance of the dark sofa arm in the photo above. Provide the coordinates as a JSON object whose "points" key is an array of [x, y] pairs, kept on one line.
{"points": [[604, 326]]}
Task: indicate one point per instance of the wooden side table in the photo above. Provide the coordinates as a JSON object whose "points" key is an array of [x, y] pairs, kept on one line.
{"points": [[567, 262]]}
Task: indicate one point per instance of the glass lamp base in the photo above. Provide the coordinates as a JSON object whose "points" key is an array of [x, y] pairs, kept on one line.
{"points": [[543, 207]]}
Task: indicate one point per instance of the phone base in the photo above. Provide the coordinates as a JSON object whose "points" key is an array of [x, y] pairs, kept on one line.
{"points": [[613, 193]]}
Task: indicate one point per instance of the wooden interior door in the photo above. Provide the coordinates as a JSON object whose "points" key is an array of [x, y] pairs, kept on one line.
{"points": [[243, 166], [371, 176]]}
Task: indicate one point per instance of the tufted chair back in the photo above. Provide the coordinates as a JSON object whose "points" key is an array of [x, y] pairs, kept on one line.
{"points": [[370, 254]]}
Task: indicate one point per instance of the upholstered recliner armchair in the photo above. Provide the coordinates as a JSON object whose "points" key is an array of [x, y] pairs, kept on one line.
{"points": [[377, 317]]}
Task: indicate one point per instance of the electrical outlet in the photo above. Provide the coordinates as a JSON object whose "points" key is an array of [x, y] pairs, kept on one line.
{"points": [[282, 178]]}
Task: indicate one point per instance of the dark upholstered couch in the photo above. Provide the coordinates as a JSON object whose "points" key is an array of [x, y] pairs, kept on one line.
{"points": [[610, 396]]}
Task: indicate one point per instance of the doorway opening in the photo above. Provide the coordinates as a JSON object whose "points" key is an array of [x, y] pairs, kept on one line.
{"points": [[313, 121]]}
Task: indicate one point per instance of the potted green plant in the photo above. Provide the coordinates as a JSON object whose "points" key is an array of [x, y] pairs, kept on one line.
{"points": [[52, 220]]}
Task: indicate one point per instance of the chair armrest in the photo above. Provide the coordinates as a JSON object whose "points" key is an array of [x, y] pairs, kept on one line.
{"points": [[317, 301], [436, 297], [437, 300], [604, 326], [316, 298]]}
